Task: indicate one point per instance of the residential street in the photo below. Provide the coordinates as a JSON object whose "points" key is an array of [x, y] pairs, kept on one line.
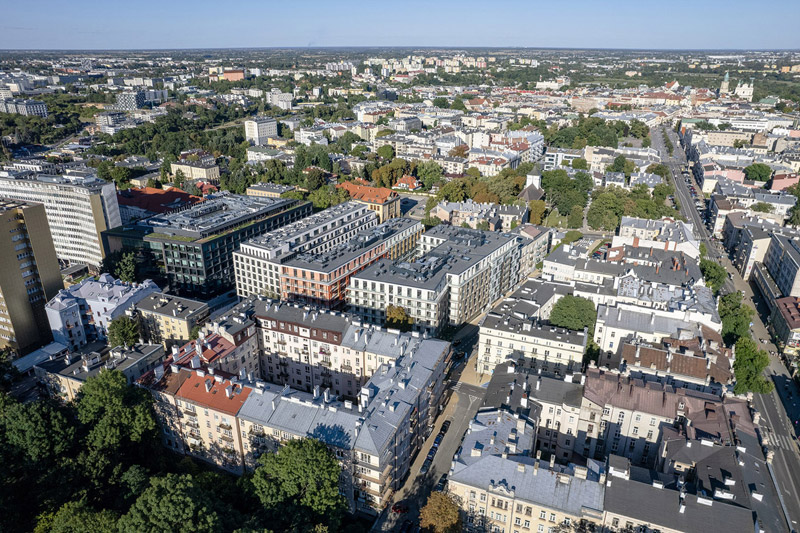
{"points": [[779, 409]]}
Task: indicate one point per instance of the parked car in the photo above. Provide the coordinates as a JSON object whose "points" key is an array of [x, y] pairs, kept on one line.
{"points": [[431, 454], [400, 508], [442, 483], [426, 465], [438, 440], [446, 426]]}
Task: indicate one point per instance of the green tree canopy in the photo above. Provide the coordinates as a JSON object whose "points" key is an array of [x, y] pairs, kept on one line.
{"points": [[749, 367], [79, 517], [758, 172], [537, 209], [736, 317], [397, 317], [123, 331], [580, 164], [299, 485], [713, 273], [39, 432], [386, 152], [574, 312], [172, 503]]}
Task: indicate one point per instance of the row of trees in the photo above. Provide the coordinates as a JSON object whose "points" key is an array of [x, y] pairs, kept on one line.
{"points": [[611, 203], [750, 360], [96, 465]]}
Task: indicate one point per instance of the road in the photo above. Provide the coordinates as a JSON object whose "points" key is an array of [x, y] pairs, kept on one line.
{"points": [[779, 409]]}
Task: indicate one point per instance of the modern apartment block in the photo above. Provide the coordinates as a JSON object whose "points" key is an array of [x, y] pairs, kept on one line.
{"points": [[230, 421], [30, 276], [257, 130], [196, 246], [458, 273], [79, 208], [260, 262], [168, 319], [82, 313], [18, 106]]}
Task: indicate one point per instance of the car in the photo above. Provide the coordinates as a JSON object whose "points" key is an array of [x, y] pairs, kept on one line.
{"points": [[438, 440], [431, 454], [446, 426], [442, 482], [425, 467], [400, 508]]}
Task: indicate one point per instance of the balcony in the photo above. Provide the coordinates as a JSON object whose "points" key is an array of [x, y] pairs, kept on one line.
{"points": [[192, 423], [325, 363], [224, 426], [347, 368], [226, 438]]}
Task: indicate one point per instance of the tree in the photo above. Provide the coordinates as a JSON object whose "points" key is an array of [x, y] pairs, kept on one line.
{"points": [[79, 517], [384, 133], [659, 169], [299, 485], [179, 178], [125, 269], [575, 219], [397, 317], [459, 151], [736, 317], [458, 103], [758, 172], [762, 207], [195, 332], [154, 184], [123, 331], [703, 250], [121, 176], [621, 164], [172, 503], [38, 431], [314, 179], [386, 152], [749, 366], [441, 102], [574, 312], [537, 209], [193, 189], [714, 274], [441, 513], [580, 164], [429, 173]]}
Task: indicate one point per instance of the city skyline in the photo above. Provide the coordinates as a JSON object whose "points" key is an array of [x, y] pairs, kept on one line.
{"points": [[621, 24]]}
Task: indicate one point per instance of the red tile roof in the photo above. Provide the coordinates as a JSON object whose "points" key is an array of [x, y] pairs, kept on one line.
{"points": [[214, 392], [156, 200], [373, 195]]}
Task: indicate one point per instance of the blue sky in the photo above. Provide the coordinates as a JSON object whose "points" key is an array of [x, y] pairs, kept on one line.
{"points": [[92, 24]]}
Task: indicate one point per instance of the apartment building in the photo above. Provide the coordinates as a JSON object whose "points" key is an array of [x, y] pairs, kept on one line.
{"points": [[230, 422], [630, 417], [195, 246], [130, 100], [196, 170], [517, 327], [637, 500], [782, 261], [19, 106], [492, 216], [457, 274], [63, 377], [30, 277], [665, 234], [168, 319], [785, 323], [503, 494], [258, 129], [210, 429], [385, 202], [79, 207], [536, 246], [259, 262], [82, 313], [268, 190]]}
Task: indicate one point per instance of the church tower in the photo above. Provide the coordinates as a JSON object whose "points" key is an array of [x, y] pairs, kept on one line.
{"points": [[724, 87]]}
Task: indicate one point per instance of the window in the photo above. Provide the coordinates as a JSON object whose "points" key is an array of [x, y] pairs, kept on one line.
{"points": [[552, 517], [543, 516]]}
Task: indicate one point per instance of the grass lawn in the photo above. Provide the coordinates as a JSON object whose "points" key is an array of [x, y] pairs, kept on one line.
{"points": [[555, 220]]}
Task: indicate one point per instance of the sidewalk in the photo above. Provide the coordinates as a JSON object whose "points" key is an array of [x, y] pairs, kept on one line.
{"points": [[470, 375]]}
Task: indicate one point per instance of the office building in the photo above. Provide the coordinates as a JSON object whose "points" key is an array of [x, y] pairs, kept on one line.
{"points": [[79, 208], [30, 276], [195, 246], [258, 129]]}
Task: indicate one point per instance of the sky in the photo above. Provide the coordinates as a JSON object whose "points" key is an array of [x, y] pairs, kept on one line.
{"points": [[642, 24]]}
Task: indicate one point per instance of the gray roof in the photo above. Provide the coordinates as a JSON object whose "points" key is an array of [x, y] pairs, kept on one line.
{"points": [[170, 305], [660, 507], [543, 487]]}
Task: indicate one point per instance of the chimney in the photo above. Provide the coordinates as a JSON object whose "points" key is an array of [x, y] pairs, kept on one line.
{"points": [[536, 467], [229, 391], [327, 395], [552, 461], [316, 391], [538, 382], [175, 350], [209, 383]]}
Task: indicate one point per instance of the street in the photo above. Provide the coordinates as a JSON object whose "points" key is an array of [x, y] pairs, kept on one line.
{"points": [[779, 409]]}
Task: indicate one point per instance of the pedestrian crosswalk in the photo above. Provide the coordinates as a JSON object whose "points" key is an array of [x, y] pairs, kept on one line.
{"points": [[782, 441]]}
